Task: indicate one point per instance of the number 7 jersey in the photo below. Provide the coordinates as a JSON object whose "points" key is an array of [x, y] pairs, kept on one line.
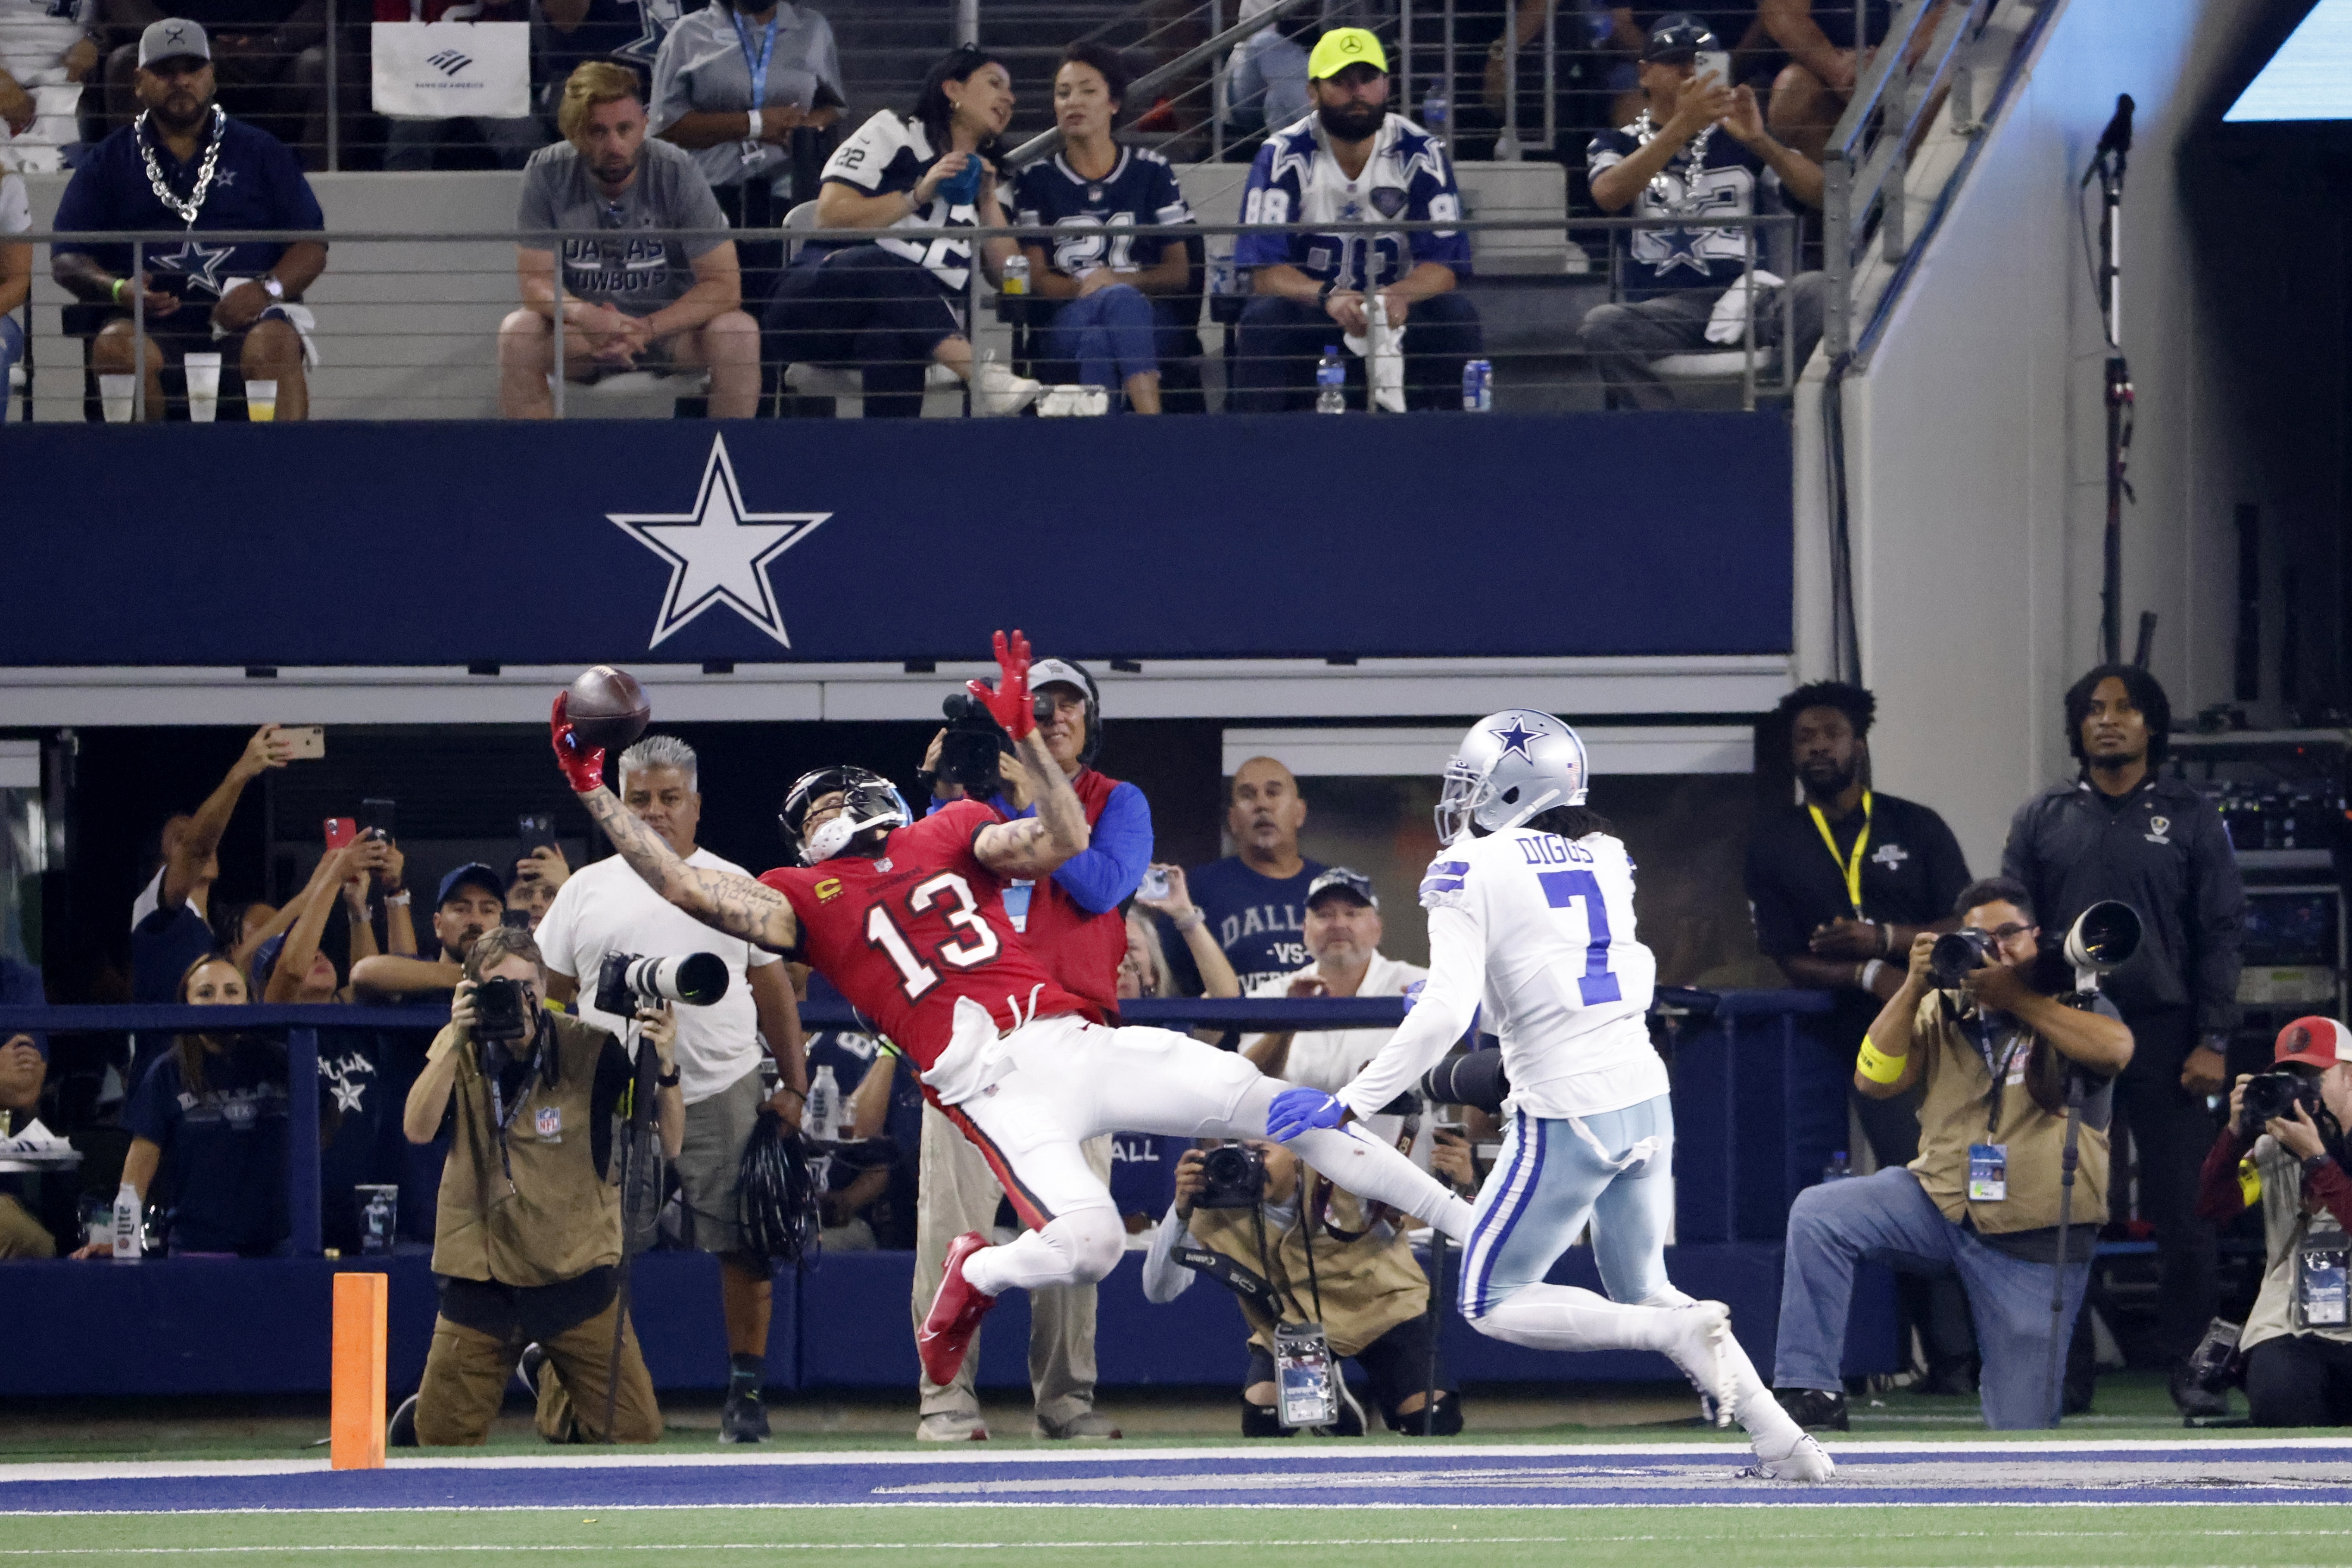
{"points": [[904, 934]]}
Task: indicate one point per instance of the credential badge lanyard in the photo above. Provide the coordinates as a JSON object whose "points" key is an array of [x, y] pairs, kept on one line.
{"points": [[1852, 866], [757, 66]]}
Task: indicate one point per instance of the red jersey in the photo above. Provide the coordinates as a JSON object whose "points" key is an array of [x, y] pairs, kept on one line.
{"points": [[904, 934]]}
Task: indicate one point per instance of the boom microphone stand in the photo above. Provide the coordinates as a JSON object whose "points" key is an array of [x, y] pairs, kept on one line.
{"points": [[2108, 167]]}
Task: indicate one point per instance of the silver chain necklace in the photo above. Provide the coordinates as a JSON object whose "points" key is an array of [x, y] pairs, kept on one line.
{"points": [[186, 210], [1677, 196]]}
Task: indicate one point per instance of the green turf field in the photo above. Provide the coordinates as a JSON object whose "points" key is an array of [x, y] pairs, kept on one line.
{"points": [[1228, 1537]]}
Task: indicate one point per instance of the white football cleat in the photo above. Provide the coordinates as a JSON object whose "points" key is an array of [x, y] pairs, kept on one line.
{"points": [[1701, 1331], [1806, 1460], [997, 392]]}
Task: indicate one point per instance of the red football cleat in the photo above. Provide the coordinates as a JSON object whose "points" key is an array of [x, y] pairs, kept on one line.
{"points": [[955, 1314]]}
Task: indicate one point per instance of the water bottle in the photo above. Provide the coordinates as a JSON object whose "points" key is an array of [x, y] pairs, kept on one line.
{"points": [[1016, 275], [1838, 1169], [1434, 110], [126, 1223], [1331, 382], [820, 1119], [1478, 386]]}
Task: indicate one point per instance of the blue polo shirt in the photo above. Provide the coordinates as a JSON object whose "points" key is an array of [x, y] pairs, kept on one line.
{"points": [[257, 185]]}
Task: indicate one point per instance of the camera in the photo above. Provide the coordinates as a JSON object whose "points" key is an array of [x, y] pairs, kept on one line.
{"points": [[624, 980], [969, 749], [1232, 1177], [500, 1012], [2276, 1093], [1957, 954], [1469, 1078], [2103, 939]]}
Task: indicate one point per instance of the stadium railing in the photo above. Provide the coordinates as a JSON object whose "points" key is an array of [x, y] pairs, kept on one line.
{"points": [[408, 321]]}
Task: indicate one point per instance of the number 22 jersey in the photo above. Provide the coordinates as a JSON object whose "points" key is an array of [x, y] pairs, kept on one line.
{"points": [[904, 934]]}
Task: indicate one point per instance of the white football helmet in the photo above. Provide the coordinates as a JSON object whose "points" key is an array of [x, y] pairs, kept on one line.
{"points": [[1509, 767]]}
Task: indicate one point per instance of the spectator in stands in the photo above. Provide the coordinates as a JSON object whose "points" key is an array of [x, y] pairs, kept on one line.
{"points": [[1324, 1253], [2298, 1354], [1353, 161], [1256, 899], [1993, 1057], [893, 308], [1103, 319], [1266, 86], [577, 31], [733, 81], [607, 909], [270, 58], [1697, 148], [527, 1240], [870, 1200], [211, 171], [411, 141], [296, 967], [1145, 970], [637, 300], [531, 897], [472, 900], [217, 1106], [23, 1071], [1812, 90], [1343, 945], [1071, 922], [44, 53], [2119, 831], [16, 275]]}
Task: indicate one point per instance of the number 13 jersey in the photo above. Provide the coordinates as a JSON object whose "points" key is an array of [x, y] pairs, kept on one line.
{"points": [[904, 934]]}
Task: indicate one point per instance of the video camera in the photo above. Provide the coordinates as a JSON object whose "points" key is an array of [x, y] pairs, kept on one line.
{"points": [[2102, 940], [969, 751], [624, 980]]}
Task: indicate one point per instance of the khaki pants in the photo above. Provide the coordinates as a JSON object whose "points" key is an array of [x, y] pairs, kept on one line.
{"points": [[22, 1236], [466, 1376], [956, 1192]]}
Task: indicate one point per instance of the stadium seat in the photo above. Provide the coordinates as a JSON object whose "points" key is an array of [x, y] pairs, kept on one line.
{"points": [[845, 386], [633, 395]]}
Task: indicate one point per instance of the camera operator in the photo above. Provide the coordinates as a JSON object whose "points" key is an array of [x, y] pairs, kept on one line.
{"points": [[2288, 1124], [2120, 832], [1327, 1259], [527, 1237], [1071, 922], [1991, 1052], [607, 909]]}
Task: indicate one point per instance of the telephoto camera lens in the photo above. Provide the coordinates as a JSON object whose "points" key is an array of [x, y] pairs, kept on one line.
{"points": [[626, 981], [1475, 1078]]}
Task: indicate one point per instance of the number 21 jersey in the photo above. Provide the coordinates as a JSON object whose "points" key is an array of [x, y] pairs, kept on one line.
{"points": [[904, 934]]}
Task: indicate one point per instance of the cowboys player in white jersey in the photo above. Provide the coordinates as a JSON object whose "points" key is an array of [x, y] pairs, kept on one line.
{"points": [[1531, 933]]}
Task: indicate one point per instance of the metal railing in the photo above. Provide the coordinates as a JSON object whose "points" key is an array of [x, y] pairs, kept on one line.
{"points": [[408, 323]]}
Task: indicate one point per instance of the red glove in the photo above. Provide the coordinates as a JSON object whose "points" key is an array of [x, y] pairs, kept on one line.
{"points": [[1009, 703], [583, 765]]}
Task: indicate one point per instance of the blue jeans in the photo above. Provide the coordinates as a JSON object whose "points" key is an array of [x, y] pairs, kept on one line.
{"points": [[1552, 1177], [1889, 1219], [1108, 332], [1268, 84]]}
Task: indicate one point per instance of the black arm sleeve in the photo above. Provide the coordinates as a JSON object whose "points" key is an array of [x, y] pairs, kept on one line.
{"points": [[2218, 899]]}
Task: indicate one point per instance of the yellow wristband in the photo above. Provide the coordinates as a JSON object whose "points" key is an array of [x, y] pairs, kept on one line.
{"points": [[1876, 1066]]}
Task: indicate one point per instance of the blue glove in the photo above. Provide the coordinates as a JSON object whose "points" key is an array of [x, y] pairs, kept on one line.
{"points": [[1295, 1111], [1411, 994]]}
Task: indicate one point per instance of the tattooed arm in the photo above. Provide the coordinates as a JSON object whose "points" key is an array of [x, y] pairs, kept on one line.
{"points": [[720, 900], [1034, 845]]}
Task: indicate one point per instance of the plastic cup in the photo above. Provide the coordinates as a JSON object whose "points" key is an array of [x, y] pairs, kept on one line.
{"points": [[115, 396], [260, 401], [203, 386]]}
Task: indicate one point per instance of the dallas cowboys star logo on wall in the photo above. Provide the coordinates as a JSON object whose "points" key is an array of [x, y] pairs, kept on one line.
{"points": [[1516, 738], [718, 553]]}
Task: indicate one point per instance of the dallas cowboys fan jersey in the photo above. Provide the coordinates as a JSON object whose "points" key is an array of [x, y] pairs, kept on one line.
{"points": [[1296, 180], [1726, 180], [1534, 934], [1088, 215], [890, 153]]}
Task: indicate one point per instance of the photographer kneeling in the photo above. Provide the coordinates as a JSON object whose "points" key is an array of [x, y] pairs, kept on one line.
{"points": [[528, 1240], [1992, 1050], [1332, 1259], [2289, 1123]]}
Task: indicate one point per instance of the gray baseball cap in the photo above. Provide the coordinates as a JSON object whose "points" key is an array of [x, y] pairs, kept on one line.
{"points": [[174, 38], [1342, 880]]}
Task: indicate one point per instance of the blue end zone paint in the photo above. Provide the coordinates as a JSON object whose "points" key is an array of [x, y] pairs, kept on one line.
{"points": [[1385, 1477]]}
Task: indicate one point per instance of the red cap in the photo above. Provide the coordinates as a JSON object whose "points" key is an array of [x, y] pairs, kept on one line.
{"points": [[2316, 1042]]}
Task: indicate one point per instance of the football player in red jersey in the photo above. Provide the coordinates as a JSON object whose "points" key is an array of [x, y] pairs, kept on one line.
{"points": [[907, 919]]}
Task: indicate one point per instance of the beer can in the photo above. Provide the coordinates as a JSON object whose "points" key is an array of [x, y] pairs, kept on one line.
{"points": [[1478, 386]]}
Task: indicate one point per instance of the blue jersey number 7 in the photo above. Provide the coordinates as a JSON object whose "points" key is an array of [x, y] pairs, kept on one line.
{"points": [[1562, 889]]}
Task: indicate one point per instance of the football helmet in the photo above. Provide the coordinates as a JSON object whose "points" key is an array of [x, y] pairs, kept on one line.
{"points": [[1511, 766], [868, 801]]}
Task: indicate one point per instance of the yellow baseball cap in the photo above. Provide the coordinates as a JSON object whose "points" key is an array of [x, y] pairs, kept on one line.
{"points": [[1340, 47]]}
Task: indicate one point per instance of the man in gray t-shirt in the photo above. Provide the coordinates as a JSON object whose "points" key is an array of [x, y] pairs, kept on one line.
{"points": [[641, 290]]}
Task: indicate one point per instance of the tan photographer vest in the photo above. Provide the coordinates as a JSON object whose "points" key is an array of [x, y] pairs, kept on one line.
{"points": [[1367, 1286]]}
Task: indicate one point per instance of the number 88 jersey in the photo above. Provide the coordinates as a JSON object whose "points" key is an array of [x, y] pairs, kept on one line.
{"points": [[904, 934], [1565, 982]]}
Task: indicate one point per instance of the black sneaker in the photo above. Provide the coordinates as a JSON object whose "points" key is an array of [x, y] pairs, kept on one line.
{"points": [[1953, 1378], [744, 1419], [2194, 1398], [400, 1432], [1814, 1409]]}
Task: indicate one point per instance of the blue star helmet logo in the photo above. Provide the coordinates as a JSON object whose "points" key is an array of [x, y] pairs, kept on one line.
{"points": [[1516, 738]]}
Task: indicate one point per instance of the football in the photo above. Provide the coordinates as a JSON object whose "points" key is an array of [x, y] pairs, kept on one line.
{"points": [[607, 708]]}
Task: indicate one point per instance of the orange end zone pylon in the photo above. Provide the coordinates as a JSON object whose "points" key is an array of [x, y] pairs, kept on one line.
{"points": [[358, 1414]]}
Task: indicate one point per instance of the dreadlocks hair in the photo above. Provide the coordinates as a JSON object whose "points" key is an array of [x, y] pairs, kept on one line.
{"points": [[2145, 694], [1572, 822]]}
